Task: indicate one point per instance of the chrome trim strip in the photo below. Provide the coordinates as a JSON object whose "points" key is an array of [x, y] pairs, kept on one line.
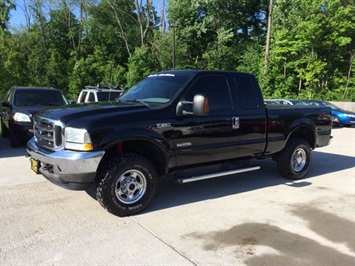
{"points": [[52, 123], [202, 177]]}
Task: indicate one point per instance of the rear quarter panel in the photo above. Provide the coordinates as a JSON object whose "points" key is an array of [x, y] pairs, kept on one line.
{"points": [[286, 121]]}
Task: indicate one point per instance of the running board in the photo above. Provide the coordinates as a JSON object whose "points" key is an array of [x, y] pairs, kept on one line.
{"points": [[231, 172]]}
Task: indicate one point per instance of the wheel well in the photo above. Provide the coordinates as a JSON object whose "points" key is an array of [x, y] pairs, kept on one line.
{"points": [[307, 134], [142, 147]]}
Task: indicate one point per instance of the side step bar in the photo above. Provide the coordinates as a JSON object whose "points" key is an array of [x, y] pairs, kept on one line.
{"points": [[213, 175]]}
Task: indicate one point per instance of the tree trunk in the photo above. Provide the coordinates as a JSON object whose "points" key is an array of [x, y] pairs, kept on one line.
{"points": [[122, 33], [352, 58], [268, 37], [299, 86]]}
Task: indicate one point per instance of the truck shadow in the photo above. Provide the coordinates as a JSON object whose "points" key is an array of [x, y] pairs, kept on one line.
{"points": [[6, 151], [171, 194]]}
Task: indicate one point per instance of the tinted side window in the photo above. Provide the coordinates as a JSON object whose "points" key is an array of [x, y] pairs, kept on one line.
{"points": [[246, 92], [215, 88], [91, 97], [83, 96], [315, 103]]}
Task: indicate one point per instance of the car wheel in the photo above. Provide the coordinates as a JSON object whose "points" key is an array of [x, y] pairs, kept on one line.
{"points": [[336, 121], [4, 130], [15, 141], [128, 186], [295, 159]]}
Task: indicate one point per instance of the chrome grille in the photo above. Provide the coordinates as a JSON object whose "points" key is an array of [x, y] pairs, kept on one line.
{"points": [[47, 134]]}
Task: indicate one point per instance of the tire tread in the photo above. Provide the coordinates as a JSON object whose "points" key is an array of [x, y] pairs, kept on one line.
{"points": [[284, 159], [104, 183]]}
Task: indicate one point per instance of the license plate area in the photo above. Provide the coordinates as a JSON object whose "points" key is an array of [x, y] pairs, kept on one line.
{"points": [[35, 164]]}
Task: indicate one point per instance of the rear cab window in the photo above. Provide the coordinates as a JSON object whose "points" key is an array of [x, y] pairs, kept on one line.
{"points": [[248, 94]]}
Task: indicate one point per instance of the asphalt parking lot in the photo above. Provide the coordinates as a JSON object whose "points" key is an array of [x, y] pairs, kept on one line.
{"points": [[255, 218]]}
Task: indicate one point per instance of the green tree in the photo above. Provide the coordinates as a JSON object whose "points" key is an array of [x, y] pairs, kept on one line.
{"points": [[312, 47], [311, 50], [5, 7], [141, 64], [215, 33]]}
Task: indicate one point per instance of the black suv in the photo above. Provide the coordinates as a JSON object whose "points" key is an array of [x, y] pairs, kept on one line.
{"points": [[20, 104]]}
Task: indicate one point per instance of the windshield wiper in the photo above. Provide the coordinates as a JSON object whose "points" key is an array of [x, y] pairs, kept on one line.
{"points": [[138, 101]]}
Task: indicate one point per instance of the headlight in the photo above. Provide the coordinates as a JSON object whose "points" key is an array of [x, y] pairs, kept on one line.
{"points": [[21, 117], [349, 115], [77, 139]]}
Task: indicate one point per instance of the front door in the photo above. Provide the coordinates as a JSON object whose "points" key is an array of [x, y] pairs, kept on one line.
{"points": [[208, 138]]}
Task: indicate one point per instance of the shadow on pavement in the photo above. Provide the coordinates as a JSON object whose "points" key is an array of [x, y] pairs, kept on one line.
{"points": [[171, 194], [7, 151]]}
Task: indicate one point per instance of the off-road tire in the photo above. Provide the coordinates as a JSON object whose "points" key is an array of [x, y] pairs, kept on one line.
{"points": [[128, 186], [295, 159]]}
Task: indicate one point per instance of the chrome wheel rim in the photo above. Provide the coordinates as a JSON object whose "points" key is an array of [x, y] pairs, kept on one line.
{"points": [[130, 186], [299, 159]]}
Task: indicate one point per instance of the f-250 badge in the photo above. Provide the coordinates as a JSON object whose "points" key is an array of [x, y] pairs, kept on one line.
{"points": [[163, 125]]}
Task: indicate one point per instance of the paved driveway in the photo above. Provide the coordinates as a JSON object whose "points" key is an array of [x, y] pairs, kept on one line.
{"points": [[256, 218]]}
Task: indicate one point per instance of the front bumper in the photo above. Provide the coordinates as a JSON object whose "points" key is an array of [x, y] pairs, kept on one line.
{"points": [[69, 169]]}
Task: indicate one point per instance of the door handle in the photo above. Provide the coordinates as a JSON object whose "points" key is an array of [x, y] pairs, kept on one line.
{"points": [[235, 122]]}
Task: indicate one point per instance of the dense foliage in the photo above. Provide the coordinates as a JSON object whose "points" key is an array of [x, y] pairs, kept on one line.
{"points": [[72, 43]]}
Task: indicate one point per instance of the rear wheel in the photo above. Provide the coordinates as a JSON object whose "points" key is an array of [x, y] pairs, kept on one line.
{"points": [[294, 161], [129, 185], [336, 121]]}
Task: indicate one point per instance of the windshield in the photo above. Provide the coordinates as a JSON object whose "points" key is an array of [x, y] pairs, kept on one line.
{"points": [[33, 97], [156, 88]]}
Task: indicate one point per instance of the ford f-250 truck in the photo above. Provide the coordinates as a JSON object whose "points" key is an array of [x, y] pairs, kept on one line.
{"points": [[169, 121]]}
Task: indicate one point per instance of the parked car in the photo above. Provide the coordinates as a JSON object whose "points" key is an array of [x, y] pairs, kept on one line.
{"points": [[340, 117], [285, 102], [96, 94], [268, 101], [18, 107]]}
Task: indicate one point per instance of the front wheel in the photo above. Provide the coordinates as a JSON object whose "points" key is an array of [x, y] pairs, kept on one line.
{"points": [[129, 185], [294, 161], [15, 140]]}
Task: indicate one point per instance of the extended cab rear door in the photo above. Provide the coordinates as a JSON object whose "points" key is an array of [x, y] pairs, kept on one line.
{"points": [[251, 113], [212, 137]]}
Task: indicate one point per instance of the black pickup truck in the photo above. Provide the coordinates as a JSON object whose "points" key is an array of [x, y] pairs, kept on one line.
{"points": [[168, 122]]}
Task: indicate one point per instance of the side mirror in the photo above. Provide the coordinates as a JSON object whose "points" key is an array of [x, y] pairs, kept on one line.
{"points": [[5, 104], [200, 106]]}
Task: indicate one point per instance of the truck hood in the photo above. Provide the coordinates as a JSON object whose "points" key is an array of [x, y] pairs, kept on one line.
{"points": [[31, 110], [93, 111]]}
